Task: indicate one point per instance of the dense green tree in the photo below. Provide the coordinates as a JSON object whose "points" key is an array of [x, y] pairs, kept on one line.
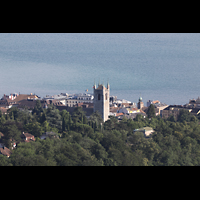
{"points": [[111, 123], [38, 108], [78, 115], [54, 118], [151, 111], [5, 161], [11, 133], [96, 118], [35, 129], [184, 115], [86, 142]]}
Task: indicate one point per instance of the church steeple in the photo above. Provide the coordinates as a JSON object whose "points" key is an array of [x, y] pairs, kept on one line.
{"points": [[99, 82]]}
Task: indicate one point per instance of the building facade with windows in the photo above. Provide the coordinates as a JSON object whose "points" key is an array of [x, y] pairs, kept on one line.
{"points": [[79, 98]]}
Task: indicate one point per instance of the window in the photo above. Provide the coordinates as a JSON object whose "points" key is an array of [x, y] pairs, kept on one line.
{"points": [[106, 96], [98, 96]]}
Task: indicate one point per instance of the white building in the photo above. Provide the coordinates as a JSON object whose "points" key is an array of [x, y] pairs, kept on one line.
{"points": [[79, 98], [71, 99], [118, 101]]}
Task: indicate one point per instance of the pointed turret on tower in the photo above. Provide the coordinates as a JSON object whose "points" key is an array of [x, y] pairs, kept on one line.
{"points": [[94, 84], [108, 86]]}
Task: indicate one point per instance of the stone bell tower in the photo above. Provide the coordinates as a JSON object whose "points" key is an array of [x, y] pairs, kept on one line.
{"points": [[101, 100]]}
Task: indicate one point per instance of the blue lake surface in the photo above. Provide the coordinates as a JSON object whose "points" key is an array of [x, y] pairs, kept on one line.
{"points": [[157, 66]]}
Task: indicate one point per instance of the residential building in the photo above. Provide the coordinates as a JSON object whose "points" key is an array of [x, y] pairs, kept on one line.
{"points": [[8, 102], [5, 104], [174, 111], [146, 130], [11, 96], [27, 137], [5, 151], [194, 103], [130, 115], [113, 99], [149, 102], [158, 106], [3, 110], [50, 134]]}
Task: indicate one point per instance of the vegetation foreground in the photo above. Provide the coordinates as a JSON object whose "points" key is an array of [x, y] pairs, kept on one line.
{"points": [[90, 142]]}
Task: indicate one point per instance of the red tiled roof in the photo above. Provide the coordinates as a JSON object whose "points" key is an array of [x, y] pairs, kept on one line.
{"points": [[114, 109], [24, 97], [118, 114], [156, 101], [28, 135], [5, 151], [1, 134], [3, 110]]}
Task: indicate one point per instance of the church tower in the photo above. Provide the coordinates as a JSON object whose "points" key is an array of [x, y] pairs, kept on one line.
{"points": [[140, 104], [101, 100]]}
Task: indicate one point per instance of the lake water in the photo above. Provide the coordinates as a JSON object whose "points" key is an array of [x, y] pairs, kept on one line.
{"points": [[157, 66]]}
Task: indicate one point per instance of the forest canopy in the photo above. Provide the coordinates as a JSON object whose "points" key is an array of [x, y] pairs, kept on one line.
{"points": [[86, 141]]}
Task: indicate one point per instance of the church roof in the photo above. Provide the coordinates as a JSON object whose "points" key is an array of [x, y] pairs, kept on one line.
{"points": [[100, 87]]}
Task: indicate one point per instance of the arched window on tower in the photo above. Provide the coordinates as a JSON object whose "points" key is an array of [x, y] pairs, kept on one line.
{"points": [[98, 96], [106, 96]]}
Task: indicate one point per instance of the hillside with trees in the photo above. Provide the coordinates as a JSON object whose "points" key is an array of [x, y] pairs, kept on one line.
{"points": [[90, 142]]}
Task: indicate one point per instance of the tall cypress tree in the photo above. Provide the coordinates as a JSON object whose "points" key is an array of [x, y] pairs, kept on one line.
{"points": [[63, 124], [151, 111]]}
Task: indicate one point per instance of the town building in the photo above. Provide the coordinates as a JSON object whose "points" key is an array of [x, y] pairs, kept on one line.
{"points": [[193, 103], [11, 96], [79, 98], [5, 151], [50, 134], [120, 101], [69, 100], [146, 130], [159, 107], [120, 116], [27, 137], [101, 100], [16, 100], [174, 110]]}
